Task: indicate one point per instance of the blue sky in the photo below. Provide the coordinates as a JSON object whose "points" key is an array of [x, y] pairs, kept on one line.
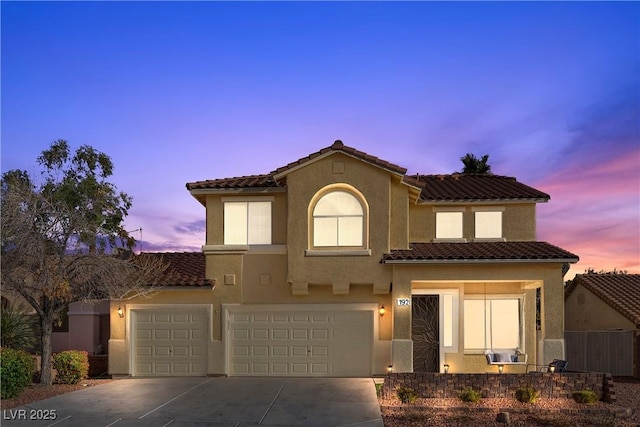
{"points": [[183, 91]]}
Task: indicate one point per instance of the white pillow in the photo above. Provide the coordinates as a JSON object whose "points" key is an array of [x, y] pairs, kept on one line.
{"points": [[503, 357]]}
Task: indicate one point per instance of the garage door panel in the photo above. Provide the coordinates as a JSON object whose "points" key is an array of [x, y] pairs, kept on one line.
{"points": [[162, 318], [280, 368], [279, 317], [280, 351], [260, 317], [300, 318], [260, 334], [161, 334], [280, 334], [315, 343]]}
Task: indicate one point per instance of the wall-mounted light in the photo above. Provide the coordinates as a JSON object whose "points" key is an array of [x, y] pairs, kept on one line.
{"points": [[552, 368], [500, 368], [120, 312], [389, 369], [446, 368], [382, 310]]}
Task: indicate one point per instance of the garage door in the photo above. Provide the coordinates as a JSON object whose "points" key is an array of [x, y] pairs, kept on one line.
{"points": [[169, 343], [301, 343]]}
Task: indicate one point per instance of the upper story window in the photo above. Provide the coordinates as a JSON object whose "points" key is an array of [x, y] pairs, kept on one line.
{"points": [[338, 221], [247, 222], [449, 225], [488, 223]]}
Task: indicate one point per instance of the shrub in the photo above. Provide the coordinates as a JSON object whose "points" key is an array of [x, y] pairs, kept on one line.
{"points": [[469, 395], [379, 389], [71, 366], [527, 395], [585, 396], [19, 329], [406, 394], [16, 370]]}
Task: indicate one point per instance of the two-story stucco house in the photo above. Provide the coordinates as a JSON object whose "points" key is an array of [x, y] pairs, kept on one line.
{"points": [[340, 264]]}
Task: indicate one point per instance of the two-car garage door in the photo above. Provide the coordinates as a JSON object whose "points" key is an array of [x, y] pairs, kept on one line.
{"points": [[270, 341]]}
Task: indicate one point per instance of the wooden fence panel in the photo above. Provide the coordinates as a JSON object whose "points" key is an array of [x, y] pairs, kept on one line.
{"points": [[601, 351]]}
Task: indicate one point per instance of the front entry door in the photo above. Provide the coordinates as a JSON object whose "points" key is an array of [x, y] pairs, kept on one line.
{"points": [[425, 333]]}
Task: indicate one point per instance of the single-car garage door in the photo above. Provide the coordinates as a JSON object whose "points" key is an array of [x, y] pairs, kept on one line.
{"points": [[169, 342], [300, 343]]}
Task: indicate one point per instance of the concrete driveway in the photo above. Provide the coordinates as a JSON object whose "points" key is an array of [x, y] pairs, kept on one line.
{"points": [[219, 401]]}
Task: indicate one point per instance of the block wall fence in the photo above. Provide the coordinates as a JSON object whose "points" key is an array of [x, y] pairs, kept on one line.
{"points": [[557, 385]]}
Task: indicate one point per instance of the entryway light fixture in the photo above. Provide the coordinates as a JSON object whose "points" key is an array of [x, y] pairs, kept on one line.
{"points": [[500, 368], [552, 368], [382, 310], [120, 312], [446, 368], [389, 369]]}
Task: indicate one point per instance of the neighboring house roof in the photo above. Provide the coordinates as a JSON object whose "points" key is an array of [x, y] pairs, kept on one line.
{"points": [[620, 291], [465, 187], [184, 269], [433, 188], [479, 252]]}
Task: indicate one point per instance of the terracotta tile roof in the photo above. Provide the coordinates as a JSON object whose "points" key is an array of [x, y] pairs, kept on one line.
{"points": [[461, 187], [252, 181], [185, 269], [269, 181], [479, 251], [620, 291], [433, 188], [340, 147]]}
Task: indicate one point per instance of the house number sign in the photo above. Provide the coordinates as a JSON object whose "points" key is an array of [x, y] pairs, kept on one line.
{"points": [[403, 302]]}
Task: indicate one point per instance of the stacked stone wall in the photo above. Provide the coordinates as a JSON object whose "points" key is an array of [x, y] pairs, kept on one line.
{"points": [[556, 385]]}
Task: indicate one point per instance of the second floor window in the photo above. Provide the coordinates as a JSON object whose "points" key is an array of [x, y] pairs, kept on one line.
{"points": [[338, 220], [488, 224], [247, 223], [448, 225]]}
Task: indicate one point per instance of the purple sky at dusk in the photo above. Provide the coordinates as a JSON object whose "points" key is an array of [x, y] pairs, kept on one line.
{"points": [[177, 92]]}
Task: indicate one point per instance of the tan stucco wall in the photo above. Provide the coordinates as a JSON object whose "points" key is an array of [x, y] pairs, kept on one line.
{"points": [[375, 186], [518, 221], [590, 313]]}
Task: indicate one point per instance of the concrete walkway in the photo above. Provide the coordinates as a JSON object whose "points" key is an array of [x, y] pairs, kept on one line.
{"points": [[197, 401]]}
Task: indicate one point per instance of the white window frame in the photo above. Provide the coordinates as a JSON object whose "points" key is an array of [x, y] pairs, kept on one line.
{"points": [[445, 222], [488, 322], [340, 221], [253, 232], [488, 223]]}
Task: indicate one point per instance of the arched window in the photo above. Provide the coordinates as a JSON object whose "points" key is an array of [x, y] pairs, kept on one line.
{"points": [[338, 221]]}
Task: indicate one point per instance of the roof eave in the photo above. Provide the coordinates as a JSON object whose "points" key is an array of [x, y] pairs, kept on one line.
{"points": [[480, 201], [236, 190], [480, 261]]}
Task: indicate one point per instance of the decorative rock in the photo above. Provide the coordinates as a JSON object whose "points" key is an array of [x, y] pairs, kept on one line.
{"points": [[503, 417]]}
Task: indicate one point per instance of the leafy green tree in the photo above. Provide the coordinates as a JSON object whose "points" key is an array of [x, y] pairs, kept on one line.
{"points": [[57, 238], [472, 164]]}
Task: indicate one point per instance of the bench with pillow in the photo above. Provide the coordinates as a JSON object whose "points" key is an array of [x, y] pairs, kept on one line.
{"points": [[505, 357]]}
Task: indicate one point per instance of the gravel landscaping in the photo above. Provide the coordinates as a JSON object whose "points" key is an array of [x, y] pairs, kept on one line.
{"points": [[545, 412]]}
